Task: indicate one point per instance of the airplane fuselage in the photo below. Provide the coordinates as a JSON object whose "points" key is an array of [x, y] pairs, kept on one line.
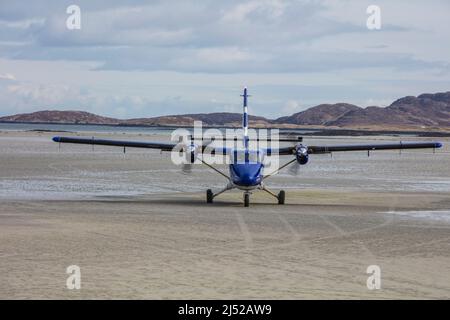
{"points": [[246, 168], [246, 176]]}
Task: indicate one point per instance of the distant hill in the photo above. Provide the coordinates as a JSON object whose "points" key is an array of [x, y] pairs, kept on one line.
{"points": [[425, 111], [429, 110], [319, 115], [55, 116], [208, 119]]}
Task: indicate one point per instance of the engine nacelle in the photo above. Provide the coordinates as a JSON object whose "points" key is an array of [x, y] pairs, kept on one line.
{"points": [[301, 153], [190, 153]]}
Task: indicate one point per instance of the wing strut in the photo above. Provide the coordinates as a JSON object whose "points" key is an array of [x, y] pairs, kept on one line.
{"points": [[279, 169], [215, 169]]}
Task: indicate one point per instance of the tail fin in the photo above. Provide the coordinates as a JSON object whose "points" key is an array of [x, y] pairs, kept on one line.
{"points": [[245, 117]]}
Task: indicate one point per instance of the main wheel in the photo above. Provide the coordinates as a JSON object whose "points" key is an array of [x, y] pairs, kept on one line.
{"points": [[281, 197], [209, 196], [246, 199]]}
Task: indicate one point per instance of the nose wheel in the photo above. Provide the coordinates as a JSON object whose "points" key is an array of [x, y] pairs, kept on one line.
{"points": [[281, 197], [209, 196], [246, 199]]}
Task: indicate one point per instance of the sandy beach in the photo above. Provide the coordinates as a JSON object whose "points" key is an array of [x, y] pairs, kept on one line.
{"points": [[138, 228]]}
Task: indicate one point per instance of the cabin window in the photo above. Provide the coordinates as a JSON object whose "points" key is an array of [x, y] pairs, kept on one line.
{"points": [[252, 157], [240, 157]]}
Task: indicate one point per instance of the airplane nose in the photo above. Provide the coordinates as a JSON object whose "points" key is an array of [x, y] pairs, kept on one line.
{"points": [[247, 174], [249, 179], [246, 178]]}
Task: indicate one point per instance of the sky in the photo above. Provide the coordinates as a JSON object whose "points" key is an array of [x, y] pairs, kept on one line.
{"points": [[133, 59]]}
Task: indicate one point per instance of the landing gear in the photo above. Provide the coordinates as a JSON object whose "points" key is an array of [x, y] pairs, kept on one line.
{"points": [[209, 196], [281, 197], [246, 199]]}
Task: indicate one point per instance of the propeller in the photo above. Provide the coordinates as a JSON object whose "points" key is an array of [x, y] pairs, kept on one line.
{"points": [[294, 169], [190, 152]]}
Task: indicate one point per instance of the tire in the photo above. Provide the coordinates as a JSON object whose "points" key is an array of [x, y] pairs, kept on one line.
{"points": [[209, 196], [246, 199], [281, 197]]}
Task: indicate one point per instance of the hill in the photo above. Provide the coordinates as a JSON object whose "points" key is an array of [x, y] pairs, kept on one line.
{"points": [[56, 116], [424, 111]]}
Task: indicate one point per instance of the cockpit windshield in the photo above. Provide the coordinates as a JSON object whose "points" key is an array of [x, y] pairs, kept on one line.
{"points": [[246, 156]]}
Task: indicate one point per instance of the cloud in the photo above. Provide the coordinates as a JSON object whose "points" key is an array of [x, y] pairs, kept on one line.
{"points": [[269, 9], [291, 107], [21, 97], [227, 37], [134, 58], [188, 36], [7, 76]]}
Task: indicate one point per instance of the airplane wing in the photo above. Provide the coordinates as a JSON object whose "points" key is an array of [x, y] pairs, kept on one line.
{"points": [[281, 151], [358, 147], [117, 143], [370, 147], [138, 144]]}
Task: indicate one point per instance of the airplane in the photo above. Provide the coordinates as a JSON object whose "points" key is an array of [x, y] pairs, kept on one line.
{"points": [[246, 167]]}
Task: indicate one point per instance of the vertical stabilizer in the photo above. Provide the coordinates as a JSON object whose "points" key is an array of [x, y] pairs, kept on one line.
{"points": [[245, 117]]}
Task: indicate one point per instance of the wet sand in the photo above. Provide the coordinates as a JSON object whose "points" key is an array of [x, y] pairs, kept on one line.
{"points": [[140, 229]]}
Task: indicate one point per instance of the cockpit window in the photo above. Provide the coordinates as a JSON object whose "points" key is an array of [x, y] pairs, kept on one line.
{"points": [[253, 157], [240, 156]]}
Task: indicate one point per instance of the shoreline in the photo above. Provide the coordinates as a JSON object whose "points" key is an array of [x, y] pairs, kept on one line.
{"points": [[308, 131]]}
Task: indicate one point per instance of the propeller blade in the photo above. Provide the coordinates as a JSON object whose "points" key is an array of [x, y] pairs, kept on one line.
{"points": [[294, 169], [186, 168]]}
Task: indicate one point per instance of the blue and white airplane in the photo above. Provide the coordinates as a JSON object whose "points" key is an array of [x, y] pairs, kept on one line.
{"points": [[246, 168]]}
